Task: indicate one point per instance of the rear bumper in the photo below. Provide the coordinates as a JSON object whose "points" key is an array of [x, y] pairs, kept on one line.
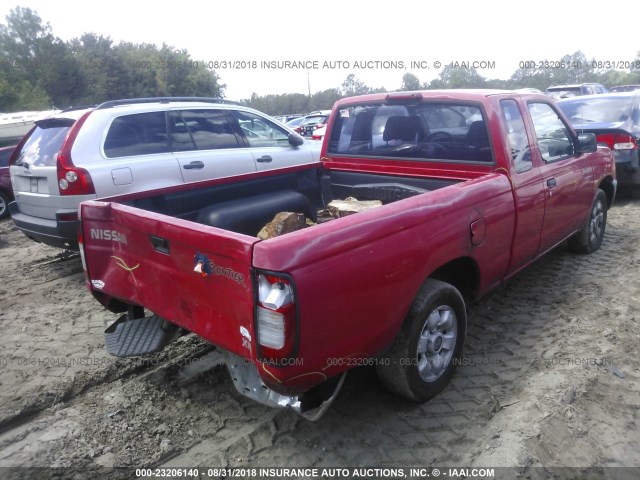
{"points": [[627, 175], [627, 168], [55, 233]]}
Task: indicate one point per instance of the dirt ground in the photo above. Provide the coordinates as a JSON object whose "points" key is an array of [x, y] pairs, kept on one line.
{"points": [[550, 378]]}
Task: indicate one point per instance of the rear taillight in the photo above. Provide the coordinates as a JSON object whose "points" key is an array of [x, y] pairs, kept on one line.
{"points": [[276, 316], [617, 141], [73, 180]]}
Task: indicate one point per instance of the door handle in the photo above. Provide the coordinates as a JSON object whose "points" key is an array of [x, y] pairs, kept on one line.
{"points": [[160, 244], [264, 159], [551, 182], [193, 165]]}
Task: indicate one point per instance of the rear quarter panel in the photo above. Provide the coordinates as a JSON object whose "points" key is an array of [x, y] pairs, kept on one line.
{"points": [[357, 277]]}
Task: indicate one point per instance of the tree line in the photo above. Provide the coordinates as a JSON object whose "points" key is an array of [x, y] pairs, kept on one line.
{"points": [[574, 68], [40, 71]]}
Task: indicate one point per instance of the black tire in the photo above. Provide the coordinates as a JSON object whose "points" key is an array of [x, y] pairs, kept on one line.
{"points": [[420, 376], [4, 205], [590, 236]]}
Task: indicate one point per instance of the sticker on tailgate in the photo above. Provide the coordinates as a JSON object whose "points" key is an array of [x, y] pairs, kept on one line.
{"points": [[205, 267]]}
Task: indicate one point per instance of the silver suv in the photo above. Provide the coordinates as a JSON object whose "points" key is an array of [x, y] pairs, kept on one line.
{"points": [[128, 146], [567, 91]]}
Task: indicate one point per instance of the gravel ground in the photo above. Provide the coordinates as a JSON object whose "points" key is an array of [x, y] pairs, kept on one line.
{"points": [[550, 378]]}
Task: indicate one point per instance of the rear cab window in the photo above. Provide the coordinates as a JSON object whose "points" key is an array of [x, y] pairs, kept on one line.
{"points": [[428, 131]]}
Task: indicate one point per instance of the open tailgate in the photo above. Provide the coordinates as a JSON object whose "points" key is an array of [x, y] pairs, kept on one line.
{"points": [[148, 259]]}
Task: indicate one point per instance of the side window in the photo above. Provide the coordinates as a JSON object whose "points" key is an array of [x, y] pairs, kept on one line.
{"points": [[260, 132], [4, 157], [554, 140], [201, 129], [137, 134], [516, 136]]}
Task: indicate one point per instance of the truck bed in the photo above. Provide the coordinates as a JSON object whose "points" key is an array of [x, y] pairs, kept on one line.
{"points": [[244, 207]]}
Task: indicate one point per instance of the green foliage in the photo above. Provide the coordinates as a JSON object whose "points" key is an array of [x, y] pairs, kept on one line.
{"points": [[410, 82], [39, 70], [455, 76], [353, 86]]}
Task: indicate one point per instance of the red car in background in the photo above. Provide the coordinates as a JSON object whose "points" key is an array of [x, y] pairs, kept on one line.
{"points": [[6, 192]]}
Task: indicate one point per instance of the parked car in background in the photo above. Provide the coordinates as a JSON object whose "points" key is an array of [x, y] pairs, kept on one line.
{"points": [[624, 88], [292, 124], [6, 192], [15, 125], [319, 133], [567, 91], [283, 119], [615, 119], [134, 145], [311, 122]]}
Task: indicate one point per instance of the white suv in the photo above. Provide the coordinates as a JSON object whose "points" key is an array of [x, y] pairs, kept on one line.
{"points": [[128, 146]]}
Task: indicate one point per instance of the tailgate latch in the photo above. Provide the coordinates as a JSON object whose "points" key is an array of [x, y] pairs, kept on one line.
{"points": [[160, 244]]}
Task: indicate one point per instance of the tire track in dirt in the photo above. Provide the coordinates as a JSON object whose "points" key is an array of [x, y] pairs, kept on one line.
{"points": [[510, 402]]}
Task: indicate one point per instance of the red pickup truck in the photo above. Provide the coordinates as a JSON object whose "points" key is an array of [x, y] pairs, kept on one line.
{"points": [[474, 186]]}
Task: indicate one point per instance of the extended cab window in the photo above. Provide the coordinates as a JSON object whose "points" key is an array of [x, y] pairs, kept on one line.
{"points": [[260, 132], [137, 134], [517, 140], [554, 140], [426, 131], [201, 129]]}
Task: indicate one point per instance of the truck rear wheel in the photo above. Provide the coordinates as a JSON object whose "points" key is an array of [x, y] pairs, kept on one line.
{"points": [[421, 361], [589, 238]]}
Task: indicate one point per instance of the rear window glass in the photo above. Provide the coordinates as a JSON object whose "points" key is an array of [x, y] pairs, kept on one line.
{"points": [[598, 110], [137, 134], [42, 147], [426, 131]]}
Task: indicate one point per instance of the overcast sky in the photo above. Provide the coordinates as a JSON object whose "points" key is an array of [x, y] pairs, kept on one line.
{"points": [[383, 38]]}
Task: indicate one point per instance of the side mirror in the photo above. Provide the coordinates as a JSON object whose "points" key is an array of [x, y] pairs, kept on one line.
{"points": [[587, 143], [296, 140]]}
